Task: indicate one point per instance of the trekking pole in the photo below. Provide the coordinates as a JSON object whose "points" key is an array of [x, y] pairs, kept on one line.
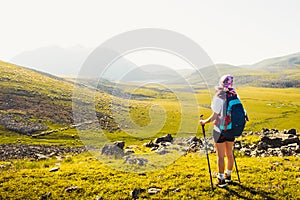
{"points": [[236, 168], [207, 157]]}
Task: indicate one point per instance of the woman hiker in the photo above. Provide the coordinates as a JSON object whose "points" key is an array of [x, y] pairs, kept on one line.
{"points": [[223, 143]]}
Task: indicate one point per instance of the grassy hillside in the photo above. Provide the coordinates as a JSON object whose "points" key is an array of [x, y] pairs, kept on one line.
{"points": [[279, 72], [30, 96], [291, 61], [46, 99]]}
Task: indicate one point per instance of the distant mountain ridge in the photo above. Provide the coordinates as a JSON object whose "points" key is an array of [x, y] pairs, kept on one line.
{"points": [[291, 61], [278, 72], [283, 71], [54, 59]]}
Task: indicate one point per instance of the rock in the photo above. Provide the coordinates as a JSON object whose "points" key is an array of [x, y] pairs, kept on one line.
{"points": [[165, 144], [277, 164], [112, 150], [292, 131], [293, 145], [154, 148], [20, 123], [254, 153], [193, 147], [71, 189], [46, 196], [131, 147], [290, 140], [119, 144], [237, 145], [253, 146], [263, 155], [134, 160], [55, 169], [153, 190], [162, 151], [177, 190], [150, 144], [272, 142], [193, 139], [262, 146], [52, 154], [273, 130], [41, 156], [167, 138], [40, 152], [211, 147], [273, 151], [135, 193], [128, 151], [189, 176], [265, 130], [247, 152]]}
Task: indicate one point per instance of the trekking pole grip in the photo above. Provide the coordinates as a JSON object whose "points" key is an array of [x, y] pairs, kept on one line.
{"points": [[203, 129]]}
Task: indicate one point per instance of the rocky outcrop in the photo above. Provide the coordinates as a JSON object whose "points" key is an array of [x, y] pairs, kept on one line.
{"points": [[272, 143], [116, 151], [39, 152], [20, 123], [167, 143]]}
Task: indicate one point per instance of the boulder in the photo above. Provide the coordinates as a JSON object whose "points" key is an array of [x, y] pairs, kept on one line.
{"points": [[290, 140], [119, 144], [292, 131], [166, 138], [112, 150], [272, 142]]}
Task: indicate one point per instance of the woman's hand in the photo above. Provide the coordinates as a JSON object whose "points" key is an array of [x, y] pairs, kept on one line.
{"points": [[210, 119], [202, 122]]}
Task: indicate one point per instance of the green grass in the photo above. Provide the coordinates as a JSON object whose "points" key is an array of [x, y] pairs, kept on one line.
{"points": [[65, 138], [261, 178], [267, 108], [50, 98], [271, 108]]}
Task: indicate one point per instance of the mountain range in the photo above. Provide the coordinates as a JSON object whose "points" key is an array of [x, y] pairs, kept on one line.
{"points": [[273, 72]]}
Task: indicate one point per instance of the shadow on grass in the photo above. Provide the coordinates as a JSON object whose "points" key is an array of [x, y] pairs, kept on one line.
{"points": [[263, 194]]}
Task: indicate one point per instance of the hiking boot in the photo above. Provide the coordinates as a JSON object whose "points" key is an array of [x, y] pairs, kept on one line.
{"points": [[228, 178], [221, 183]]}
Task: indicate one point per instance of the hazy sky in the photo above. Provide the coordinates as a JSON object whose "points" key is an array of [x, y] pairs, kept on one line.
{"points": [[230, 31]]}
